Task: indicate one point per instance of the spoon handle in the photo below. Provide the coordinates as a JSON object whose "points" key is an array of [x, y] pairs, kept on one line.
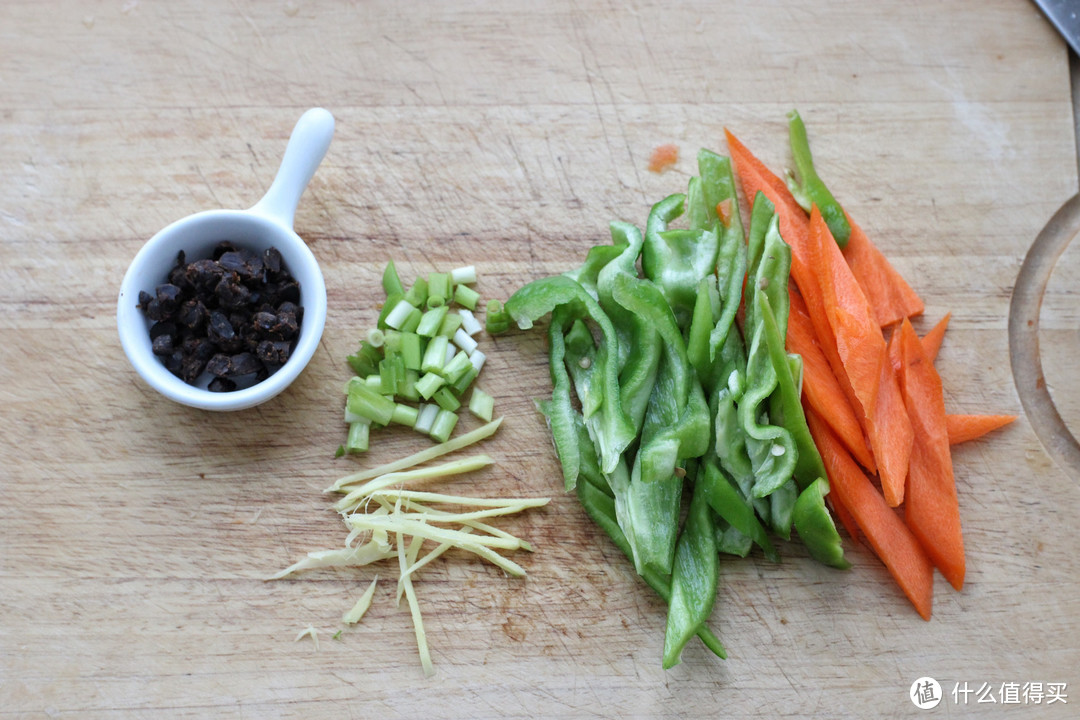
{"points": [[307, 146]]}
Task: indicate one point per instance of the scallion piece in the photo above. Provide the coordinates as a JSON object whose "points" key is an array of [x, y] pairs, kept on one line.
{"points": [[469, 323], [429, 384], [426, 417], [368, 403], [387, 307], [399, 314], [407, 386], [466, 274], [439, 284], [464, 341], [465, 381], [391, 341], [431, 321], [376, 337], [446, 400], [444, 424], [411, 350], [374, 382], [391, 282], [413, 321], [434, 355], [450, 324], [481, 404], [417, 294], [404, 415], [458, 366], [477, 358], [466, 297], [357, 441], [497, 320], [365, 360]]}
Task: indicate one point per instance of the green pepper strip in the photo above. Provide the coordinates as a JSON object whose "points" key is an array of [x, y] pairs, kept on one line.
{"points": [[676, 260], [816, 527], [771, 447], [639, 344], [718, 185], [676, 427], [810, 516], [560, 410], [813, 190], [729, 504], [601, 508], [598, 258], [694, 579], [541, 297]]}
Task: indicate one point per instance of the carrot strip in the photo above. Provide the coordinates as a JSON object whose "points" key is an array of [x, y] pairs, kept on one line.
{"points": [[931, 341], [962, 428], [891, 298], [891, 540], [932, 510], [861, 346], [821, 389]]}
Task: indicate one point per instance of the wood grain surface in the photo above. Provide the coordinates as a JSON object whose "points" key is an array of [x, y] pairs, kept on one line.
{"points": [[135, 534]]}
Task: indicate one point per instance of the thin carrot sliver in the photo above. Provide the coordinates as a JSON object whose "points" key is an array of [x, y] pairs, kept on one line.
{"points": [[931, 508], [890, 296], [931, 341], [821, 389], [962, 428], [891, 540]]}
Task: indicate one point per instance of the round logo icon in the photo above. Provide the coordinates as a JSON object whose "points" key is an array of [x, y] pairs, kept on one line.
{"points": [[925, 693]]}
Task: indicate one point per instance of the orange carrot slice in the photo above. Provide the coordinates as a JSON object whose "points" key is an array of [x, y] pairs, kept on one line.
{"points": [[931, 341], [932, 510], [891, 298], [663, 157], [962, 428], [821, 389], [891, 540], [861, 347]]}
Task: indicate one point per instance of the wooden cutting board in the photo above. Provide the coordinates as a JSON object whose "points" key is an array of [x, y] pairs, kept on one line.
{"points": [[135, 534]]}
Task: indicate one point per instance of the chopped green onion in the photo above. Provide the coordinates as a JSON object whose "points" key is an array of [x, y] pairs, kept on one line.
{"points": [[365, 360], [411, 350], [481, 404], [464, 341], [413, 321], [370, 404], [391, 341], [357, 441], [450, 324], [497, 319], [449, 355], [439, 284], [418, 293], [466, 296], [407, 386], [465, 381], [374, 382], [399, 314], [376, 337], [435, 355], [466, 274], [404, 415], [443, 425], [387, 307], [432, 321], [458, 366], [391, 282], [426, 418], [446, 400], [469, 323], [477, 358], [428, 384], [435, 301]]}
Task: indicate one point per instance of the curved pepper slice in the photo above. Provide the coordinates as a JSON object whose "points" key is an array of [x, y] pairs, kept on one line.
{"points": [[541, 297]]}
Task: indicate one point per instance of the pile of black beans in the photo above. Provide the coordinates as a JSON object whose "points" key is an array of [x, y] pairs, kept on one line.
{"points": [[235, 315]]}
